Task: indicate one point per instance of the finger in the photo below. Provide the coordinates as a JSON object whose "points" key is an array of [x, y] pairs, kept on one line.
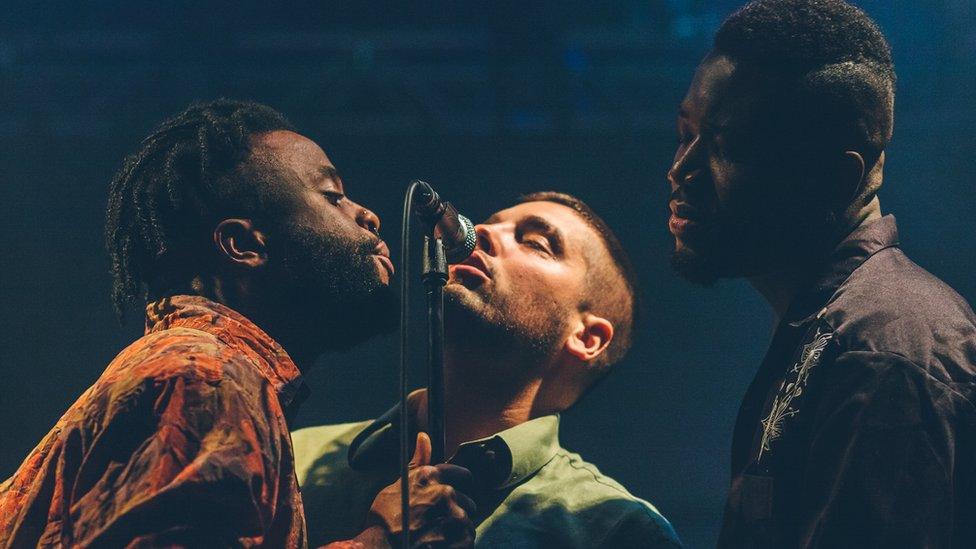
{"points": [[458, 527], [423, 475], [430, 539], [455, 475], [466, 503], [422, 452]]}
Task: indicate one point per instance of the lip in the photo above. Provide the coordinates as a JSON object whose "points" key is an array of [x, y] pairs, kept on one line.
{"points": [[475, 265], [684, 218], [382, 253], [680, 225]]}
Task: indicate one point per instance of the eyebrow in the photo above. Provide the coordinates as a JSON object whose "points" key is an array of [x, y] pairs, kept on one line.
{"points": [[543, 226], [329, 173]]}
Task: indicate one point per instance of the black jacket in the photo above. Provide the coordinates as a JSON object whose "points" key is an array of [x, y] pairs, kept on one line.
{"points": [[859, 428]]}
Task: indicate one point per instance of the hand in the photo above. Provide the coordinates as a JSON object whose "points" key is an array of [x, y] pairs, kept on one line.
{"points": [[438, 512]]}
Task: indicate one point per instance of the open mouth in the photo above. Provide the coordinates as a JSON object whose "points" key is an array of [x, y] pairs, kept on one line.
{"points": [[474, 269]]}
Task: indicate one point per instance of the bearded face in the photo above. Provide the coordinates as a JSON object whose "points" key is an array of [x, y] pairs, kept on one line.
{"points": [[485, 317], [334, 282], [519, 291], [328, 273], [746, 195]]}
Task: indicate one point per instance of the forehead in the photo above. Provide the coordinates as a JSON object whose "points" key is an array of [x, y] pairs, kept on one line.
{"points": [[714, 90], [296, 153]]}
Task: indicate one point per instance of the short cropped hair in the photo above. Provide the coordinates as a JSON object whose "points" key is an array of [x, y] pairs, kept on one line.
{"points": [[189, 173], [829, 56], [611, 291]]}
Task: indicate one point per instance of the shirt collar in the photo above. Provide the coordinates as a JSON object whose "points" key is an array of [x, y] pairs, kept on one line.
{"points": [[233, 329], [521, 450], [862, 243], [499, 461]]}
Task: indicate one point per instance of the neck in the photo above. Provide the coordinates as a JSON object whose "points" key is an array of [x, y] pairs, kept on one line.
{"points": [[779, 288], [480, 406], [280, 325]]}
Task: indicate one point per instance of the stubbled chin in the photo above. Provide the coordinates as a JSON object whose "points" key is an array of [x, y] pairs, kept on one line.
{"points": [[682, 246], [456, 291]]}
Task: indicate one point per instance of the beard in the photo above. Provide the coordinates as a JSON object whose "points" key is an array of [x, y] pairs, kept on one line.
{"points": [[520, 329], [754, 243], [331, 286]]}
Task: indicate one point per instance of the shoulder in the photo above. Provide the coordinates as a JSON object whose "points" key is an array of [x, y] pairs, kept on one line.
{"points": [[890, 305], [892, 385], [335, 496], [176, 353], [323, 448], [576, 496], [181, 375]]}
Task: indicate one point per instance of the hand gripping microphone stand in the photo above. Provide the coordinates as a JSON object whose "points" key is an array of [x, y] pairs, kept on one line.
{"points": [[442, 222]]}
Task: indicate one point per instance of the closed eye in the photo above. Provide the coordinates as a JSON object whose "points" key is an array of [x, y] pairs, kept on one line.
{"points": [[540, 234], [334, 197], [537, 244]]}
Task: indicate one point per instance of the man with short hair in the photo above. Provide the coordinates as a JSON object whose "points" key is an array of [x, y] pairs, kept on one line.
{"points": [[237, 235], [537, 315], [858, 429]]}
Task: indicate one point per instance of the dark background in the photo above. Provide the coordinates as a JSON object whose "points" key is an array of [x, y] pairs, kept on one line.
{"points": [[485, 100]]}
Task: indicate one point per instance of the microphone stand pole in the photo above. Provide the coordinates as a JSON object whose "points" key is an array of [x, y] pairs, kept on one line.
{"points": [[434, 278]]}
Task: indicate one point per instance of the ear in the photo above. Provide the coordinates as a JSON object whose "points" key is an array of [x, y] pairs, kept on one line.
{"points": [[590, 337], [851, 171], [240, 243]]}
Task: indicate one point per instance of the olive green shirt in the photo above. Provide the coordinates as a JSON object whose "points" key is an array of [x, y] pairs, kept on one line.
{"points": [[532, 492]]}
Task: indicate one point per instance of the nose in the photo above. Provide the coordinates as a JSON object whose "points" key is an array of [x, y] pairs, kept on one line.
{"points": [[368, 220], [487, 239], [687, 166]]}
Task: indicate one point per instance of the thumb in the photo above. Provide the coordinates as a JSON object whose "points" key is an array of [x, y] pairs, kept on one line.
{"points": [[422, 452]]}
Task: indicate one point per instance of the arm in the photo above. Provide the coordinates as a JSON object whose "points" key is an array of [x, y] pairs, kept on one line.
{"points": [[184, 461], [642, 527], [880, 465]]}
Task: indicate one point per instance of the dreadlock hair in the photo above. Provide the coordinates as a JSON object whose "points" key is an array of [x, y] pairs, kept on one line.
{"points": [[830, 62], [192, 171], [611, 287]]}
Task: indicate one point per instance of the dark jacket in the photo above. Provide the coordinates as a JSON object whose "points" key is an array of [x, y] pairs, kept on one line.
{"points": [[858, 430]]}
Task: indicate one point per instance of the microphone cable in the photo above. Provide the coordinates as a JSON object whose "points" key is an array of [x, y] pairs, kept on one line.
{"points": [[405, 233]]}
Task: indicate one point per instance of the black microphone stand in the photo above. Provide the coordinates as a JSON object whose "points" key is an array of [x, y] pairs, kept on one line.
{"points": [[434, 278]]}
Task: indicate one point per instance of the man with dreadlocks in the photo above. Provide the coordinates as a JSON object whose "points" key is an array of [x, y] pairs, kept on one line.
{"points": [[225, 220], [859, 429]]}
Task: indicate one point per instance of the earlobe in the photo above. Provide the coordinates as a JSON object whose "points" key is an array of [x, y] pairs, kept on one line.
{"points": [[240, 243], [590, 337]]}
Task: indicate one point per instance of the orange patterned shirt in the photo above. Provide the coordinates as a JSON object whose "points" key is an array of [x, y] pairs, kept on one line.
{"points": [[181, 441]]}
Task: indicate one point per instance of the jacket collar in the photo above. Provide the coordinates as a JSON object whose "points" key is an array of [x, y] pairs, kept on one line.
{"points": [[235, 330], [862, 243]]}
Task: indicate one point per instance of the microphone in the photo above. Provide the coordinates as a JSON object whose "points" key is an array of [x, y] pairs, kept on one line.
{"points": [[454, 230]]}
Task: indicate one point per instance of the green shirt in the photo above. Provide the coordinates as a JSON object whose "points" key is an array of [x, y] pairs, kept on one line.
{"points": [[534, 493]]}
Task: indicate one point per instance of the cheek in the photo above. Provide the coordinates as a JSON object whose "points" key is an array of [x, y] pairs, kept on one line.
{"points": [[534, 285], [727, 182], [738, 188], [338, 223]]}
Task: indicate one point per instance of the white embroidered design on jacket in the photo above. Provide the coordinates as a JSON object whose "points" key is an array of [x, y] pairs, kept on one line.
{"points": [[791, 388]]}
